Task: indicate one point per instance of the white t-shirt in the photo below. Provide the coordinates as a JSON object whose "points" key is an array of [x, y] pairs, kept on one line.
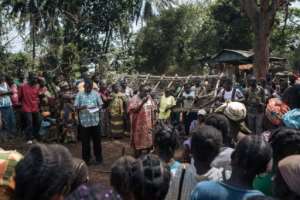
{"points": [[228, 94], [188, 99]]}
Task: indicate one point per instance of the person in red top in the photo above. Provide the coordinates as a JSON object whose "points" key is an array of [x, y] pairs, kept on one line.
{"points": [[29, 98]]}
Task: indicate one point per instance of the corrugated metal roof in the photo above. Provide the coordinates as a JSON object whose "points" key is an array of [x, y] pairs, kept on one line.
{"points": [[244, 53]]}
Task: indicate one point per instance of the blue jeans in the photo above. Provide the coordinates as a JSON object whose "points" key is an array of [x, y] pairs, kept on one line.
{"points": [[9, 119]]}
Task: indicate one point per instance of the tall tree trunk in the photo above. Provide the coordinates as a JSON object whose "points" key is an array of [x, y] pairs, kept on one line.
{"points": [[262, 15], [32, 21], [261, 50]]}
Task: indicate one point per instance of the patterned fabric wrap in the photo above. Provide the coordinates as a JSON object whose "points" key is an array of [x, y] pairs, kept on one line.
{"points": [[95, 192], [142, 122], [292, 119], [275, 110], [8, 162], [235, 111], [117, 112]]}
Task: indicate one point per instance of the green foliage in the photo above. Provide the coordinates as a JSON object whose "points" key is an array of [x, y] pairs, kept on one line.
{"points": [[167, 39], [88, 25], [232, 30], [178, 38], [15, 64], [175, 40]]}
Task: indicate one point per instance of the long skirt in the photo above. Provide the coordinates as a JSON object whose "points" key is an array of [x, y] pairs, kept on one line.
{"points": [[117, 126]]}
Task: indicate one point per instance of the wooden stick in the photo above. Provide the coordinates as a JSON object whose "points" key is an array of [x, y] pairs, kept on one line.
{"points": [[157, 84], [217, 88], [146, 80], [172, 78]]}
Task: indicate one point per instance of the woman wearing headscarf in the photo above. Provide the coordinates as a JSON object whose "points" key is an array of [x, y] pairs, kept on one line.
{"points": [[275, 110]]}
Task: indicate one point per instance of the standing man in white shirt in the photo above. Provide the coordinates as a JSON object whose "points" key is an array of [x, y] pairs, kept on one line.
{"points": [[188, 97], [229, 93]]}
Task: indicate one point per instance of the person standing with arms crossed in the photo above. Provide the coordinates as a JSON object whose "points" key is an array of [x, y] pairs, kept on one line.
{"points": [[88, 103]]}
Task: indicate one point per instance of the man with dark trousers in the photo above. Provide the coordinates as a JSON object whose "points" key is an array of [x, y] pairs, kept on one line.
{"points": [[88, 103]]}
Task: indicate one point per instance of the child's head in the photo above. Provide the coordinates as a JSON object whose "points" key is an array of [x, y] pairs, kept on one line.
{"points": [[121, 175], [166, 142], [285, 142], [251, 156], [205, 145], [81, 173], [221, 123], [151, 178]]}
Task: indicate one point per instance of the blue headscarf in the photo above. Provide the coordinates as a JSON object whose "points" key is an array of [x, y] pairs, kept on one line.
{"points": [[292, 119]]}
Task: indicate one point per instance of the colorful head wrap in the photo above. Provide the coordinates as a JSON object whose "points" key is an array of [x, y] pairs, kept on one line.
{"points": [[235, 111], [292, 119], [289, 169], [275, 110]]}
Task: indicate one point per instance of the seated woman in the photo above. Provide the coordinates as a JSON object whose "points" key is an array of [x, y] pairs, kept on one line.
{"points": [[250, 158], [46, 172], [205, 146], [287, 179]]}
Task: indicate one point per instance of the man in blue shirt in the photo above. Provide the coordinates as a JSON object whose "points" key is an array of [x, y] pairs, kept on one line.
{"points": [[88, 103], [7, 113]]}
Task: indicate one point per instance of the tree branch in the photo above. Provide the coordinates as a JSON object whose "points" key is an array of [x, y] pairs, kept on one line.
{"points": [[272, 12], [285, 20], [250, 8]]}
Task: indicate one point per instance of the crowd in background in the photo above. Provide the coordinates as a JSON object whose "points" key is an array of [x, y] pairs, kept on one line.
{"points": [[244, 146]]}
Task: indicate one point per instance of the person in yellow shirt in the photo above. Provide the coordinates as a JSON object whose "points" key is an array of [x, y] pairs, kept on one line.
{"points": [[167, 102]]}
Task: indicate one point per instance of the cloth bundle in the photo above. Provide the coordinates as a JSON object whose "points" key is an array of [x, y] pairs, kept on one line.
{"points": [[292, 119], [275, 110]]}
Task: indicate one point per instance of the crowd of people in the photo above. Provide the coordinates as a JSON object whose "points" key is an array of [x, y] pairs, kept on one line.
{"points": [[244, 147]]}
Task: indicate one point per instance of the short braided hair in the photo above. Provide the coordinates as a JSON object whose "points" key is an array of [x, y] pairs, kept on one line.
{"points": [[45, 171], [166, 140], [121, 175], [151, 178]]}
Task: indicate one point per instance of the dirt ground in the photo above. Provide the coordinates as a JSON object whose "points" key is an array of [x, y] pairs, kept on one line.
{"points": [[111, 149]]}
